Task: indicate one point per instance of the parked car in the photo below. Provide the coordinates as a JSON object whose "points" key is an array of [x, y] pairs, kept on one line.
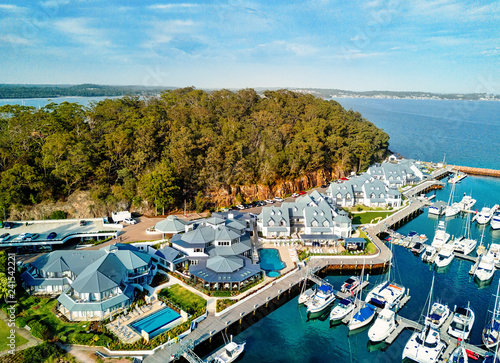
{"points": [[269, 201], [261, 203], [130, 220], [82, 223], [34, 236], [4, 237], [325, 185], [295, 195], [27, 237], [52, 235], [240, 206], [278, 199], [23, 236], [302, 192], [7, 225]]}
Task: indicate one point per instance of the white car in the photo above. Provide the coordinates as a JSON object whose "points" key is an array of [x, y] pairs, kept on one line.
{"points": [[269, 201], [240, 206], [130, 220], [295, 195], [278, 199], [25, 237]]}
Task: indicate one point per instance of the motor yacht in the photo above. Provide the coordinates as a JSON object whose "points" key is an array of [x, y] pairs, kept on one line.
{"points": [[350, 285], [344, 307], [438, 315], [495, 221], [452, 210], [462, 323], [323, 297], [429, 254], [383, 327], [306, 296], [445, 256], [494, 251], [425, 346], [386, 295], [467, 202], [486, 214], [464, 245], [486, 268], [440, 237], [417, 248], [362, 317], [230, 352]]}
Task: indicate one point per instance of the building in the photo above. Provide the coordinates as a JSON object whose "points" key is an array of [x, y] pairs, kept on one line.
{"points": [[310, 215], [92, 283], [398, 173]]}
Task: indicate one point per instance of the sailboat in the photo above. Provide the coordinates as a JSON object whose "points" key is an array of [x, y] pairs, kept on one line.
{"points": [[453, 208], [425, 346], [486, 267], [492, 330], [465, 244], [306, 295], [364, 314]]}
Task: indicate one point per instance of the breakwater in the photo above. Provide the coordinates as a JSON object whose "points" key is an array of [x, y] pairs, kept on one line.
{"points": [[478, 171]]}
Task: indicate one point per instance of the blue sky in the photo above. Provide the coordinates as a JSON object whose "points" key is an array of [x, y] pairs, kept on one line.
{"points": [[412, 45]]}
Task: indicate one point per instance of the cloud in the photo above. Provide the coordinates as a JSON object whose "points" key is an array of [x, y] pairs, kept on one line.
{"points": [[79, 31], [14, 39], [491, 52], [172, 7], [11, 8]]}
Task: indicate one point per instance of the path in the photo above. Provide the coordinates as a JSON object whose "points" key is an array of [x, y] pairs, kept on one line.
{"points": [[32, 341]]}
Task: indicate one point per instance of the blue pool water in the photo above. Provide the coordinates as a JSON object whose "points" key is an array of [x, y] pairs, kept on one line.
{"points": [[270, 259], [153, 324]]}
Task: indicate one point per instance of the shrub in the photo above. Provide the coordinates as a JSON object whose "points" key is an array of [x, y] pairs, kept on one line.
{"points": [[22, 321], [58, 214], [39, 330]]}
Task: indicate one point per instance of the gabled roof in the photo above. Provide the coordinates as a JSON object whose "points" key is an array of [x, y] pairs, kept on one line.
{"points": [[132, 260], [214, 221], [172, 224], [75, 261], [200, 235], [225, 234], [168, 253]]}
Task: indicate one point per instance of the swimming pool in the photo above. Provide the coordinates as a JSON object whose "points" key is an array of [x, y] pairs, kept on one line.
{"points": [[270, 260], [154, 324]]}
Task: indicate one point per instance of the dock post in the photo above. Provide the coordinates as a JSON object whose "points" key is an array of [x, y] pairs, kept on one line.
{"points": [[255, 308]]}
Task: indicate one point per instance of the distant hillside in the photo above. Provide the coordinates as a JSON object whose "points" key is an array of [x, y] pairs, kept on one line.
{"points": [[81, 90]]}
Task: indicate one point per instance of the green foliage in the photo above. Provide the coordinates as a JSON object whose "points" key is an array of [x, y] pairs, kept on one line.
{"points": [[3, 262], [185, 299], [39, 330], [177, 147], [42, 353], [58, 214]]}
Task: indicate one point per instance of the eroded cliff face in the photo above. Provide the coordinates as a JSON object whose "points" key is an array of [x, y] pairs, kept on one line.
{"points": [[227, 196]]}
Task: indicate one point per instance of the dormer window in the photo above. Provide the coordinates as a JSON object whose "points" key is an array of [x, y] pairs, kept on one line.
{"points": [[326, 224], [314, 223], [315, 213], [272, 212], [271, 223], [381, 195], [283, 223]]}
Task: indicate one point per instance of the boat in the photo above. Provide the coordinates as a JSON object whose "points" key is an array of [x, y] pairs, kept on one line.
{"points": [[350, 285], [429, 254], [306, 295], [452, 210], [465, 244], [425, 346], [459, 355], [438, 208], [386, 294], [495, 220], [323, 297], [462, 323], [467, 202], [384, 325], [418, 248], [440, 236], [486, 214], [491, 332], [362, 317], [485, 269], [230, 352], [438, 315], [457, 178], [343, 308], [494, 251], [445, 256]]}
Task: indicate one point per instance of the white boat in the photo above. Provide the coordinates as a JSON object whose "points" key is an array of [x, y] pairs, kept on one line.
{"points": [[467, 202], [386, 295], [457, 177], [462, 323], [350, 285], [445, 256], [362, 317], [459, 355], [344, 307], [323, 297], [440, 236], [494, 251], [491, 332], [486, 214], [306, 296], [438, 315], [437, 208], [425, 346], [486, 268], [465, 244], [452, 210], [230, 352], [383, 327], [495, 221], [429, 254]]}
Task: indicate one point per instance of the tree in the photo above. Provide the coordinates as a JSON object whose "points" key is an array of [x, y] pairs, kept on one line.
{"points": [[160, 187]]}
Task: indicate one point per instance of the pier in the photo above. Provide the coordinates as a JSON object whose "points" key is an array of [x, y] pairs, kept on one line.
{"points": [[423, 188], [477, 171]]}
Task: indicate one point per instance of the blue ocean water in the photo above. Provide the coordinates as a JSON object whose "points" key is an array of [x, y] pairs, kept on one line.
{"points": [[41, 102]]}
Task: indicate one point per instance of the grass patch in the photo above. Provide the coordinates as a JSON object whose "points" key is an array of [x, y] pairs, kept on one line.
{"points": [[185, 299], [4, 333], [224, 303], [367, 217]]}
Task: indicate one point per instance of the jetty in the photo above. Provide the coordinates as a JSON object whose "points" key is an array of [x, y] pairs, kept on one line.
{"points": [[477, 171]]}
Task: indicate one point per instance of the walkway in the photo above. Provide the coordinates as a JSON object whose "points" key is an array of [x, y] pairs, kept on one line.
{"points": [[32, 341]]}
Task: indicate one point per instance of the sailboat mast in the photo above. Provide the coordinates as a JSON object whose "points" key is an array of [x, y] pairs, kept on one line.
{"points": [[430, 296]]}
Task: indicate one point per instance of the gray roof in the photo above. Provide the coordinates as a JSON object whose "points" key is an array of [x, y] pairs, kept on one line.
{"points": [[172, 224], [168, 253], [225, 264], [278, 215], [200, 235], [225, 234], [71, 305], [235, 224], [30, 281], [214, 220], [104, 274], [248, 270], [132, 260], [76, 261], [342, 218]]}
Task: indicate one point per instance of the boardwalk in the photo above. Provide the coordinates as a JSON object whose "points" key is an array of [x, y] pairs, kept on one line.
{"points": [[424, 188]]}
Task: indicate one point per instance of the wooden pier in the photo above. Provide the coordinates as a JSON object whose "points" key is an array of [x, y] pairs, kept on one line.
{"points": [[403, 324]]}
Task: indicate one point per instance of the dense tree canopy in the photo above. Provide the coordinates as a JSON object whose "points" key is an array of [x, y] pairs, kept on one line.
{"points": [[164, 149]]}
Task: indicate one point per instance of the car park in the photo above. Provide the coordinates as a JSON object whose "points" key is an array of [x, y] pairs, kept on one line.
{"points": [[130, 220], [278, 199], [52, 235], [4, 237]]}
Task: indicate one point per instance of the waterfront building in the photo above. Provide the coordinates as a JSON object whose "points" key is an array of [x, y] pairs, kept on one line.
{"points": [[91, 284]]}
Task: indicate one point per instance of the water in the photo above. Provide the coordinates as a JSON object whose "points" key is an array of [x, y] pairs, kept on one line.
{"points": [[466, 131], [153, 323], [270, 260], [41, 102]]}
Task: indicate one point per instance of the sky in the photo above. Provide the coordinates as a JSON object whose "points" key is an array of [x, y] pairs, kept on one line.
{"points": [[442, 46]]}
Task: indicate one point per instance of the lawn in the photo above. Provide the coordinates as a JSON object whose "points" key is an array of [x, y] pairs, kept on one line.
{"points": [[367, 217], [4, 333], [183, 298]]}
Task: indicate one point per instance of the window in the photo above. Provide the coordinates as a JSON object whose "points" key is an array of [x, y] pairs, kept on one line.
{"points": [[326, 224], [193, 262], [198, 250], [282, 223], [314, 223], [270, 223]]}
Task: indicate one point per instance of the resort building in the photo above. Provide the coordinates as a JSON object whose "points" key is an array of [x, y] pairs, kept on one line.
{"points": [[398, 173], [310, 215], [93, 283]]}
